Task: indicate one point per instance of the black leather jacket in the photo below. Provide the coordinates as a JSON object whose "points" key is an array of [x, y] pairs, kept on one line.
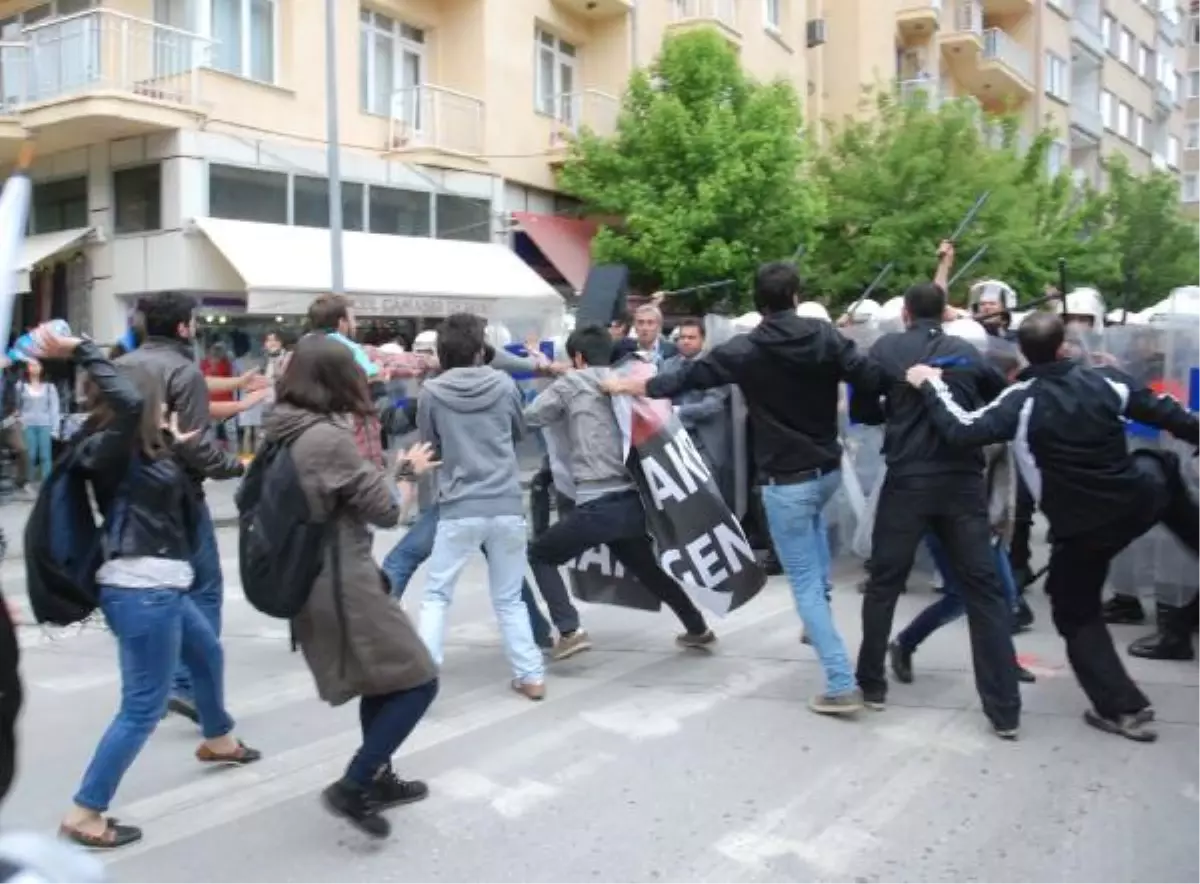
{"points": [[149, 506]]}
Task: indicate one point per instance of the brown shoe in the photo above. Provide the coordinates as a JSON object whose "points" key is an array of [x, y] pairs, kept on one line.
{"points": [[242, 755], [532, 690]]}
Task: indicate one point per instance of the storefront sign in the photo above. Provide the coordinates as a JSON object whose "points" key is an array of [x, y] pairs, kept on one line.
{"points": [[415, 306]]}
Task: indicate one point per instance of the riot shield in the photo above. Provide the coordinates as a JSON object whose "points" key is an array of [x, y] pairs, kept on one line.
{"points": [[718, 330], [851, 512]]}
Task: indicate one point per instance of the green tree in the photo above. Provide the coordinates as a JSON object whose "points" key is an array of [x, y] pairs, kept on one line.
{"points": [[704, 172], [1156, 245]]}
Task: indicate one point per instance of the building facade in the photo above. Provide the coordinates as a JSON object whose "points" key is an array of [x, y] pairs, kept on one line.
{"points": [[1108, 76], [1190, 183], [176, 137]]}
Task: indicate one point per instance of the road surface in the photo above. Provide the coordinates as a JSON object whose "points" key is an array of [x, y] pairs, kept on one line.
{"points": [[645, 763]]}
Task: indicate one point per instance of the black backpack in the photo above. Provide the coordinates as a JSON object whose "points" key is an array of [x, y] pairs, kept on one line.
{"points": [[281, 546], [63, 549]]}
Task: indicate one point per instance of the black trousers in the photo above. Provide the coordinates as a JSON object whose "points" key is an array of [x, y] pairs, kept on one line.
{"points": [[1079, 568], [619, 521], [539, 498], [954, 509], [1018, 551]]}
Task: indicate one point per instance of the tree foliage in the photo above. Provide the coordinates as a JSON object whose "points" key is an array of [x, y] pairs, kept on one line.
{"points": [[704, 171]]}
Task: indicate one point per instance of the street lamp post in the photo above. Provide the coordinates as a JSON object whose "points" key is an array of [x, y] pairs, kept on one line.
{"points": [[337, 282]]}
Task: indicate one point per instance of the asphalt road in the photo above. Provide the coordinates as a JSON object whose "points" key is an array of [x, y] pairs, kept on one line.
{"points": [[645, 763]]}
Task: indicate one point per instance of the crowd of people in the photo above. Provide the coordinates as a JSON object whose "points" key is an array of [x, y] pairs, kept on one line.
{"points": [[959, 431]]}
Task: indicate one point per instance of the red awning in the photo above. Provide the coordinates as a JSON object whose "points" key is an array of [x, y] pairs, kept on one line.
{"points": [[566, 243]]}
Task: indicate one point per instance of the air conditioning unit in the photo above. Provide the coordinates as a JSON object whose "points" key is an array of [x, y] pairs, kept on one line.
{"points": [[815, 32]]}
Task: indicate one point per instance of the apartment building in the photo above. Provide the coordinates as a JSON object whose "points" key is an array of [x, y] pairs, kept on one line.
{"points": [[1190, 183], [181, 145], [1106, 75]]}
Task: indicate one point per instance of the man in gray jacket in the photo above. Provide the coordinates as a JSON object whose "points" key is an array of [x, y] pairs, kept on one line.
{"points": [[608, 509], [471, 414], [166, 354]]}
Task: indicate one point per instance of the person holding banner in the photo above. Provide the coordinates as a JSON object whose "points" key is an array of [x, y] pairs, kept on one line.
{"points": [[796, 445], [608, 508], [1068, 424]]}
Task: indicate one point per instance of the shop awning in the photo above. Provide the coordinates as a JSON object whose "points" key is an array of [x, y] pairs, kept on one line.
{"points": [[41, 246], [284, 267], [566, 243]]}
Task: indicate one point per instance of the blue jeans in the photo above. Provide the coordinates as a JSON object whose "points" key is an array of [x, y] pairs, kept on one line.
{"points": [[416, 546], [153, 628], [503, 539], [387, 720], [37, 449], [208, 589], [950, 606], [797, 526]]}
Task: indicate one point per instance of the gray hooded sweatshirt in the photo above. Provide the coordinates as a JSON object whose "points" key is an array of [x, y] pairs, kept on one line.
{"points": [[472, 416]]}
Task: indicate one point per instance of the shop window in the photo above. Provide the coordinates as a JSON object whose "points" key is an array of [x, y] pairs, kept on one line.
{"points": [[137, 199], [461, 217], [247, 194], [398, 212], [310, 203], [59, 205]]}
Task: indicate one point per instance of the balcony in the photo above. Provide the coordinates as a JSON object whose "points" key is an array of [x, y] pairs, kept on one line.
{"points": [[918, 93], [1006, 69], [964, 37], [1169, 28], [595, 10], [434, 121], [1087, 35], [101, 75], [917, 20], [1164, 98], [1086, 119], [590, 110], [1007, 7], [720, 14]]}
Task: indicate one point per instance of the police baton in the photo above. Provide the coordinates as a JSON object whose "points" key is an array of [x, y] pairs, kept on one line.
{"points": [[971, 263], [1062, 281], [701, 287], [874, 285], [970, 216]]}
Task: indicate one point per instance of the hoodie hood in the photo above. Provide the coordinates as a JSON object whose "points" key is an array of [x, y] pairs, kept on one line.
{"points": [[285, 422], [791, 338], [468, 390]]}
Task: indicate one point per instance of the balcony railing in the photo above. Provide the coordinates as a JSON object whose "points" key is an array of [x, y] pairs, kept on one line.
{"points": [[909, 6], [999, 46], [1085, 114], [590, 109], [100, 50], [723, 11], [437, 118], [1168, 26], [919, 92], [1164, 97], [968, 17], [1088, 34]]}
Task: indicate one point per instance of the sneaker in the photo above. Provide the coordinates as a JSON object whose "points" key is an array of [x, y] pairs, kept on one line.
{"points": [[901, 660], [876, 701], [571, 643], [837, 704], [1022, 617], [1131, 727], [349, 802], [531, 690], [1025, 676], [1005, 733], [1123, 609], [696, 641], [388, 790]]}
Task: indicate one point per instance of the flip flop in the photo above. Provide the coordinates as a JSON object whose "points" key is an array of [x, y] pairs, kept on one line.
{"points": [[114, 836]]}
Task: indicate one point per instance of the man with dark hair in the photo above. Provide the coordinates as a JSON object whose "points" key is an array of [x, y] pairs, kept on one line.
{"points": [[471, 414], [933, 487], [166, 353], [619, 328], [608, 509], [1067, 422], [796, 448]]}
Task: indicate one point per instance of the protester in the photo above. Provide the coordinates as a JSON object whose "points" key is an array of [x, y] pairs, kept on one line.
{"points": [[219, 366], [355, 641], [471, 414], [932, 487], [1067, 421], [608, 509], [166, 354], [40, 416], [648, 342], [126, 453]]}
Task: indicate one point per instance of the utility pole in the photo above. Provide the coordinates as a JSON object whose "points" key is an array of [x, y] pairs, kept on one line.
{"points": [[337, 281]]}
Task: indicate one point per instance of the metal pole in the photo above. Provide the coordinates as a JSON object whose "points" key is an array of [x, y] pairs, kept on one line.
{"points": [[337, 282]]}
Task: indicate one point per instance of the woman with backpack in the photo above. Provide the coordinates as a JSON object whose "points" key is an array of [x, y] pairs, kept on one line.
{"points": [[124, 452], [356, 641]]}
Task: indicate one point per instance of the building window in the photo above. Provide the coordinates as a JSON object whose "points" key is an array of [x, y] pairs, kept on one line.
{"points": [[59, 205], [461, 217], [1172, 151], [1106, 109], [1194, 30], [398, 212], [137, 199], [1142, 133], [772, 14], [1145, 61], [1193, 135], [391, 64], [1108, 24], [1193, 84], [1058, 77], [243, 32], [247, 194], [1056, 158], [1125, 47], [1124, 120], [555, 75], [1189, 187], [310, 203]]}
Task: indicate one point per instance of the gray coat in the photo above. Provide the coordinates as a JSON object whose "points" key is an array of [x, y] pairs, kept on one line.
{"points": [[378, 652], [705, 414]]}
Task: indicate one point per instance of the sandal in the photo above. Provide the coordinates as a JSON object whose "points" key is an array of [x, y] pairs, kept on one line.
{"points": [[243, 755], [115, 835]]}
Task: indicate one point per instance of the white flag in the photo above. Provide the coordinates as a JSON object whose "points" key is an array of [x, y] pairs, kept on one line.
{"points": [[14, 214]]}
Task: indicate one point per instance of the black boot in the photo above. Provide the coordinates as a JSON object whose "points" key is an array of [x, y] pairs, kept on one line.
{"points": [[1124, 609], [390, 791], [1173, 641], [352, 803]]}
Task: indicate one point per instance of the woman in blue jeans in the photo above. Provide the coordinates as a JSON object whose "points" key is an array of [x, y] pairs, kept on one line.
{"points": [[126, 454]]}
